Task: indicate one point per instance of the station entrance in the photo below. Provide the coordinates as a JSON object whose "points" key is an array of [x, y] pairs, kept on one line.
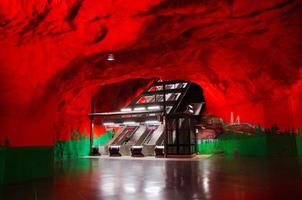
{"points": [[158, 122]]}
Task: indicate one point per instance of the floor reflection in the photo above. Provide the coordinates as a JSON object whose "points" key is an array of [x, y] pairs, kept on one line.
{"points": [[212, 178]]}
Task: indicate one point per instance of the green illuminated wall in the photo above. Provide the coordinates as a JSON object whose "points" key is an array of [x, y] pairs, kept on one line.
{"points": [[2, 164], [76, 148], [299, 145], [101, 141], [209, 147], [281, 145], [25, 163], [241, 145], [71, 149], [259, 145]]}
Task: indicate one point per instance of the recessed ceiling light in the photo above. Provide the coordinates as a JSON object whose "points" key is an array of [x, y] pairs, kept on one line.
{"points": [[139, 108], [130, 123], [152, 122], [126, 109], [153, 107], [110, 57], [109, 124]]}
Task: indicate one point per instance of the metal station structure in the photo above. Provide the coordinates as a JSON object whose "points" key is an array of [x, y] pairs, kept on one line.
{"points": [[159, 122]]}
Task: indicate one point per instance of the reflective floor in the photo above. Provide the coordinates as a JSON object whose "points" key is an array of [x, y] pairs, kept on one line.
{"points": [[205, 178]]}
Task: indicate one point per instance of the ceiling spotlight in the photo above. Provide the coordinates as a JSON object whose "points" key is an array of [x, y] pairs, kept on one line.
{"points": [[139, 108], [153, 107], [152, 122], [130, 123], [109, 124], [126, 109], [110, 57]]}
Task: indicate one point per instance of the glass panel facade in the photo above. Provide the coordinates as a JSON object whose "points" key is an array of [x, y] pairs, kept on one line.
{"points": [[156, 88], [168, 87], [158, 98], [146, 99], [181, 138], [168, 109]]}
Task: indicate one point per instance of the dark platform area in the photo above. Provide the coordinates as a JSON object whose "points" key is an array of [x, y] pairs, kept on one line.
{"points": [[208, 178]]}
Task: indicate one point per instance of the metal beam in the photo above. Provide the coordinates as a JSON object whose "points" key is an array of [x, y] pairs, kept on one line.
{"points": [[103, 114], [168, 103], [169, 82], [178, 90], [135, 119]]}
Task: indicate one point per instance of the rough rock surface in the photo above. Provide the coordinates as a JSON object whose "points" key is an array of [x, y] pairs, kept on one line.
{"points": [[53, 56]]}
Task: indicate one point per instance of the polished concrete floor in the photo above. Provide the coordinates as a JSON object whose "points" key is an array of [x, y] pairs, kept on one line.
{"points": [[215, 177]]}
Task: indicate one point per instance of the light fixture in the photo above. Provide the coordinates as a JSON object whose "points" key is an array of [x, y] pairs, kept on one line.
{"points": [[109, 124], [153, 107], [126, 109], [110, 57], [130, 123], [114, 146], [152, 122], [136, 147], [139, 108]]}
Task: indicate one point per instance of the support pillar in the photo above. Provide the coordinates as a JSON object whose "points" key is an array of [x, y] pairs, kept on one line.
{"points": [[91, 127]]}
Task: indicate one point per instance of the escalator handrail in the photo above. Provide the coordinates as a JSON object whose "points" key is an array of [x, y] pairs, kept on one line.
{"points": [[148, 137], [122, 135], [161, 132], [118, 134], [131, 134]]}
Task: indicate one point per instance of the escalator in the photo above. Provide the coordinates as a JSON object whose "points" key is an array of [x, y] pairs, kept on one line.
{"points": [[159, 149], [120, 139], [154, 138], [131, 139], [149, 135], [120, 133], [136, 150]]}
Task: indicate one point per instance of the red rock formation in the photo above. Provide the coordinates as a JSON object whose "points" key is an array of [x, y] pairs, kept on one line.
{"points": [[245, 54]]}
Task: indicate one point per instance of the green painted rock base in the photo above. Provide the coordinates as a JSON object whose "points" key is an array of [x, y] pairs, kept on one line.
{"points": [[2, 164], [259, 145], [101, 141], [26, 163], [281, 145], [73, 149], [299, 145], [247, 146]]}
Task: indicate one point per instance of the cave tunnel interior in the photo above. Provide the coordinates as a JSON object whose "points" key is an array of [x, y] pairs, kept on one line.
{"points": [[56, 55]]}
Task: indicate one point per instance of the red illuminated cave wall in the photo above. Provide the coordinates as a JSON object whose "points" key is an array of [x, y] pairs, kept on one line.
{"points": [[245, 54], [73, 110], [113, 97]]}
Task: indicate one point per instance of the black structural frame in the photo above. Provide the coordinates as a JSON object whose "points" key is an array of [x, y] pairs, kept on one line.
{"points": [[179, 134]]}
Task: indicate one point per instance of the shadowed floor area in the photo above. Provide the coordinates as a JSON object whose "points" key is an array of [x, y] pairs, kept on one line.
{"points": [[216, 177]]}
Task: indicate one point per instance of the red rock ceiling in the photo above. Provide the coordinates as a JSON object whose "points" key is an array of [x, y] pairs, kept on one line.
{"points": [[245, 54]]}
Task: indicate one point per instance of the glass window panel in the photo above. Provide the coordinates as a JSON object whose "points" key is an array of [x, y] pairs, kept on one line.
{"points": [[159, 98], [172, 96], [168, 109], [156, 88], [146, 99], [168, 87], [183, 85]]}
